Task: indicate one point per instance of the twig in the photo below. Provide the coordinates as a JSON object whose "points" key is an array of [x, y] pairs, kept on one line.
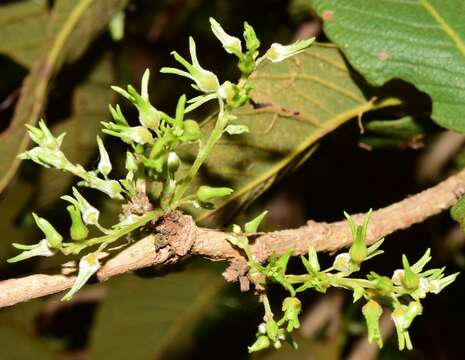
{"points": [[181, 237]]}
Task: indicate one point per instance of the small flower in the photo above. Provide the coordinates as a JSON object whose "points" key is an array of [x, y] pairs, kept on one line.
{"points": [[292, 307], [89, 213], [344, 263], [372, 312], [205, 80], [46, 157], [148, 116], [278, 52], [40, 249], [104, 165], [251, 41], [137, 134], [110, 187], [399, 317], [230, 43], [43, 137], [88, 266]]}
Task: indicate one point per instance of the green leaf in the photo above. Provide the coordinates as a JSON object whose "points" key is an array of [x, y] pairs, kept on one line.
{"points": [[298, 102], [71, 27], [141, 317], [89, 107], [23, 25], [421, 42]]}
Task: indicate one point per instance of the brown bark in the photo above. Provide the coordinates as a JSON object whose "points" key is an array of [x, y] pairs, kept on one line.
{"points": [[178, 236]]}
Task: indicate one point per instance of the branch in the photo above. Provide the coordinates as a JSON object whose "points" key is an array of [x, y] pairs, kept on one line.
{"points": [[178, 236]]}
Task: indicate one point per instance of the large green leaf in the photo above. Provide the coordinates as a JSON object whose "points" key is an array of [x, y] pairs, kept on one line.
{"points": [[297, 102], [141, 317], [89, 107], [420, 41], [22, 27], [72, 25]]}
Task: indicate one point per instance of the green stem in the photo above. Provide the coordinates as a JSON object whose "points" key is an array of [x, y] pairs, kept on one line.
{"points": [[204, 150], [115, 235]]}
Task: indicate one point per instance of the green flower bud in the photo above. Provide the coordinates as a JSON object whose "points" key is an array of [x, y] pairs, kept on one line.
{"points": [[252, 226], [372, 312], [191, 131], [410, 281], [207, 193], [261, 343], [54, 239], [173, 162], [383, 284], [78, 229], [251, 41]]}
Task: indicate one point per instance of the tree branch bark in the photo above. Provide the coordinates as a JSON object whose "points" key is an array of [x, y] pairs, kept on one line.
{"points": [[178, 236]]}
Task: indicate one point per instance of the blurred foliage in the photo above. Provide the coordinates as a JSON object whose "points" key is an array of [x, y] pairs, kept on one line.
{"points": [[189, 314]]}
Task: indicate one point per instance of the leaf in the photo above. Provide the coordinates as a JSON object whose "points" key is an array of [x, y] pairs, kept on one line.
{"points": [[72, 26], [23, 25], [141, 317], [298, 102], [89, 107], [419, 41]]}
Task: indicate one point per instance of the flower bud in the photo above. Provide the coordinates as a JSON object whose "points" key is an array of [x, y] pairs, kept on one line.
{"points": [[410, 281], [261, 343], [272, 329], [173, 162], [191, 131], [207, 193], [53, 237], [78, 230], [104, 165], [372, 312], [251, 41], [252, 226]]}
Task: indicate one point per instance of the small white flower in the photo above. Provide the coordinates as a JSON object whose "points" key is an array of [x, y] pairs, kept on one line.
{"points": [[397, 277], [342, 262], [278, 52], [230, 43], [88, 266], [205, 80], [42, 248]]}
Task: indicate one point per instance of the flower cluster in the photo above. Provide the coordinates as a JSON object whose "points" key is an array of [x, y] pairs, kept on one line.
{"points": [[153, 184], [402, 292]]}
